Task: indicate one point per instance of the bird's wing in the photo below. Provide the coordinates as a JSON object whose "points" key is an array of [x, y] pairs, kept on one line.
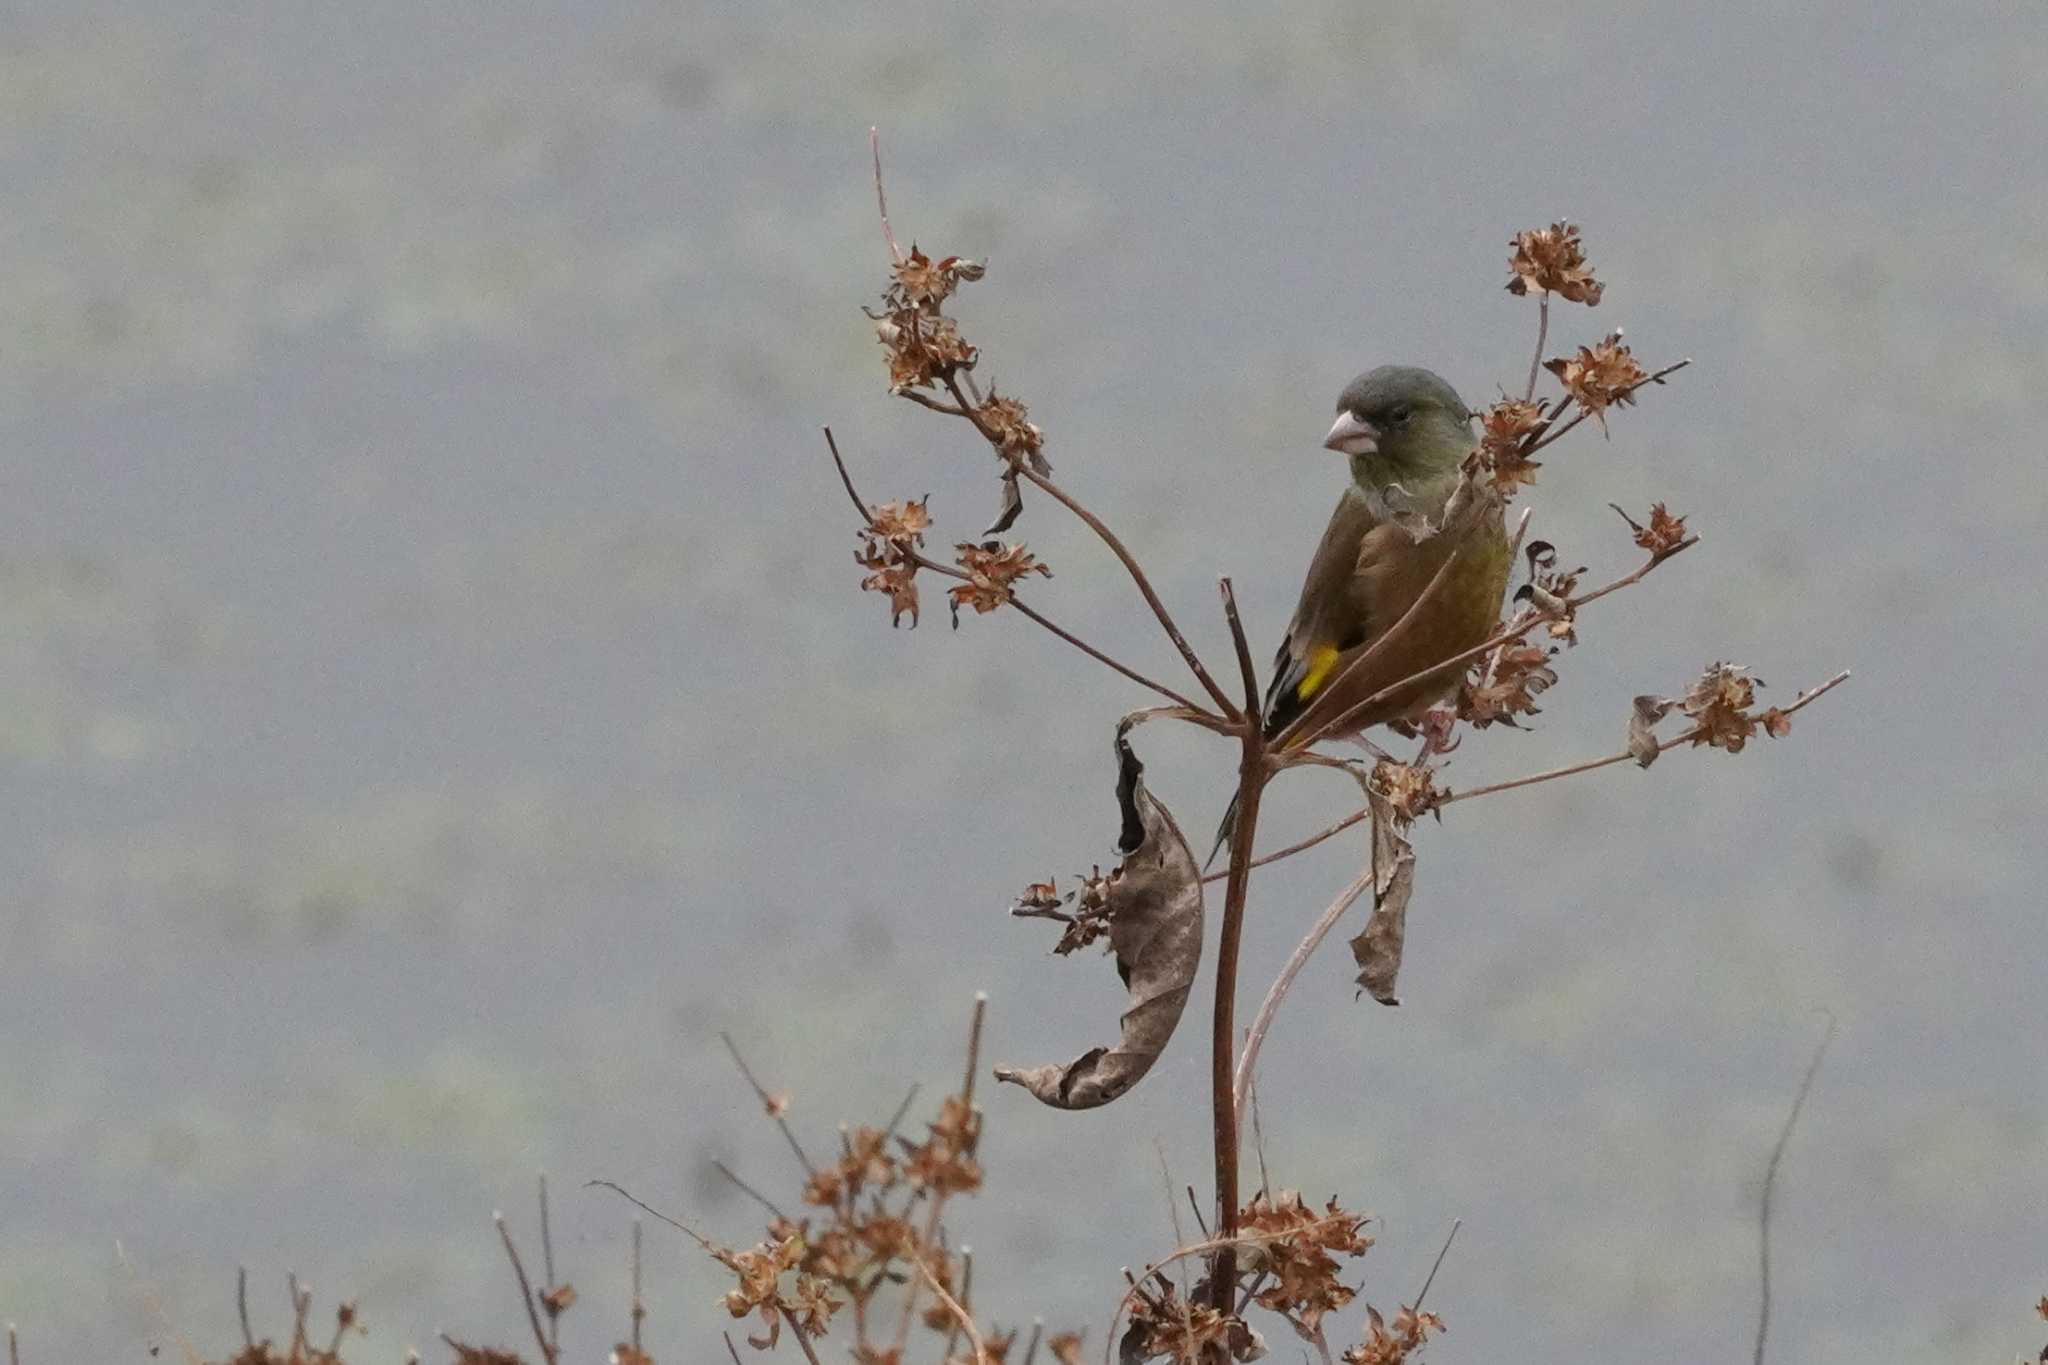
{"points": [[1329, 621]]}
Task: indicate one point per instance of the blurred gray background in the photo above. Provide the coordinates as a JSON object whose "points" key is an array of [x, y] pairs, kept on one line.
{"points": [[436, 700]]}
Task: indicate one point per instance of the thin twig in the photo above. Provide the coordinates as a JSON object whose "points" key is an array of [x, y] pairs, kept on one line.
{"points": [[803, 1343], [14, 1346], [769, 1103], [302, 1303], [620, 1190], [1144, 585], [1258, 1136], [639, 1306], [1276, 855], [1542, 333], [952, 1305], [547, 1264], [1805, 698], [1547, 435], [731, 1349], [1437, 1264], [896, 1119], [1037, 1331], [946, 570], [1327, 921], [242, 1304], [759, 1198], [1247, 672], [882, 200], [547, 1352], [974, 1047], [1763, 1221], [1195, 1204], [938, 1196]]}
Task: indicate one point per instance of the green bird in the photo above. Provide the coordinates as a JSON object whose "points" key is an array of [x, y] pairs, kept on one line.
{"points": [[1406, 433]]}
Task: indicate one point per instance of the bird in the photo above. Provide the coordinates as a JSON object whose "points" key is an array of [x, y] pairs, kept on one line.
{"points": [[1406, 434]]}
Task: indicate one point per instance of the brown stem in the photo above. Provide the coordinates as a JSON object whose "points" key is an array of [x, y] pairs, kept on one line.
{"points": [[881, 199], [744, 1188], [1251, 785], [639, 1306], [769, 1104], [938, 1196], [1030, 613], [1109, 538], [547, 1352], [1347, 822], [1551, 434], [802, 1342], [1248, 1061], [1542, 333], [242, 1304]]}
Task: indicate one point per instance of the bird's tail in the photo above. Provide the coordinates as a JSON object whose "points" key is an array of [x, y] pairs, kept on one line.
{"points": [[1223, 832]]}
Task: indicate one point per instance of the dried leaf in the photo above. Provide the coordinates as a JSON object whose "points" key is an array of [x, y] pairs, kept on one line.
{"points": [[1012, 506], [1377, 948], [1720, 703], [1154, 905], [1642, 728]]}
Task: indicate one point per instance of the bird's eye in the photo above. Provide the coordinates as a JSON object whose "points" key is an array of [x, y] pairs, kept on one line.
{"points": [[1398, 416]]}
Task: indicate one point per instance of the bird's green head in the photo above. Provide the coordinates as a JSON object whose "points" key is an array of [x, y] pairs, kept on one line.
{"points": [[1400, 424]]}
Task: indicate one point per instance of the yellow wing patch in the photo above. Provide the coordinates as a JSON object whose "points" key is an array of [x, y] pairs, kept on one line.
{"points": [[1322, 661]]}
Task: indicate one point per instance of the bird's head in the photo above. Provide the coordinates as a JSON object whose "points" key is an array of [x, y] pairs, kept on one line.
{"points": [[1399, 423]]}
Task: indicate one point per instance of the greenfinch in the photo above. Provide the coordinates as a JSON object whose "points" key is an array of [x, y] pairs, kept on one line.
{"points": [[1406, 434]]}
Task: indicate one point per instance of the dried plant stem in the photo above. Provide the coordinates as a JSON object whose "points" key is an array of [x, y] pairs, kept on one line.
{"points": [[1027, 611], [768, 1103], [881, 199], [1251, 785], [960, 1315], [1356, 817], [730, 1349], [937, 1207], [1438, 1263], [1248, 1060], [242, 1304], [14, 1345], [639, 1305], [1805, 698], [1542, 335], [1763, 1220], [1549, 433], [547, 1265], [744, 1188], [540, 1336], [647, 1208], [803, 1343]]}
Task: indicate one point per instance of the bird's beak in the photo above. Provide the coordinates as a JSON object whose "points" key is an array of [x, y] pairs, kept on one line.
{"points": [[1350, 435]]}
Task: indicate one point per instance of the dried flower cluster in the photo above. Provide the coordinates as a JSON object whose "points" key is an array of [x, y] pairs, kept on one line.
{"points": [[1552, 261], [1507, 684], [889, 550], [1507, 433], [1393, 1344], [924, 346], [1600, 377], [992, 570], [1664, 535], [1719, 706]]}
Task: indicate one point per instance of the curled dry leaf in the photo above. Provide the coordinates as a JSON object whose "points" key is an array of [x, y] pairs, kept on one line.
{"points": [[1154, 907], [1642, 728], [1377, 948]]}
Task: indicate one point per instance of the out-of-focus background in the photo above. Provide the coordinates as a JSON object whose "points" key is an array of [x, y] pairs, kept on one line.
{"points": [[435, 699]]}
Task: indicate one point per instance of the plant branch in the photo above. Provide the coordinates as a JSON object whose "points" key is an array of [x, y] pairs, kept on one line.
{"points": [[769, 1103], [1248, 1060], [1549, 434], [1542, 334], [744, 1188], [881, 199], [960, 1315], [1030, 613], [1570, 770], [1763, 1221], [1116, 546], [1251, 785], [547, 1352]]}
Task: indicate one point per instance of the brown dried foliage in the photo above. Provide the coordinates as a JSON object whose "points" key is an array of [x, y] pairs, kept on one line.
{"points": [[1553, 261], [1600, 377], [992, 570]]}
